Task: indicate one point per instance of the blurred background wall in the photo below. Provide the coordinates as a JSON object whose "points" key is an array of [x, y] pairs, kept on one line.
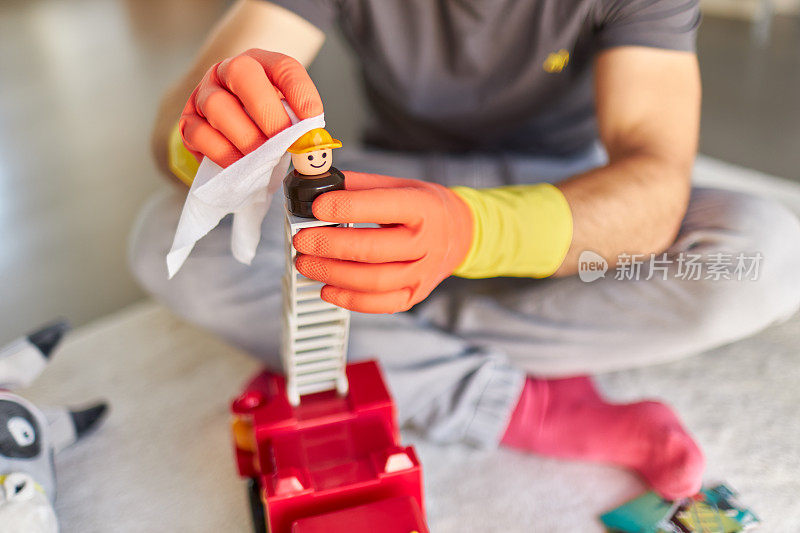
{"points": [[79, 86]]}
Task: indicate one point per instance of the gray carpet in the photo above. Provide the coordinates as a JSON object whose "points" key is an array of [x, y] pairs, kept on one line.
{"points": [[163, 460]]}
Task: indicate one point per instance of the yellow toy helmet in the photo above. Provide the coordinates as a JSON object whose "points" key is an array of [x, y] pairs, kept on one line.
{"points": [[316, 139]]}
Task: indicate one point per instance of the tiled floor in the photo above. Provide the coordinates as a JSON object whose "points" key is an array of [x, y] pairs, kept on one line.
{"points": [[79, 82]]}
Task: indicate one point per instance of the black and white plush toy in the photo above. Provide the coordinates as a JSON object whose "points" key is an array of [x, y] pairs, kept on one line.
{"points": [[30, 437]]}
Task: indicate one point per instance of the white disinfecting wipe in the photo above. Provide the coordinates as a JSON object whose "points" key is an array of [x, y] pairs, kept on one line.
{"points": [[245, 188]]}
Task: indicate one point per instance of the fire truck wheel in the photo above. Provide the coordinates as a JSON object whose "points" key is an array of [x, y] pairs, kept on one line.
{"points": [[257, 511]]}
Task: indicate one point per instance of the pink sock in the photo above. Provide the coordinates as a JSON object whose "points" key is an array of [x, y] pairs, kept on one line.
{"points": [[567, 418]]}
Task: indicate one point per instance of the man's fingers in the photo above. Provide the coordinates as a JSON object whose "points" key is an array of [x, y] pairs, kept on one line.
{"points": [[357, 181], [200, 137], [292, 80], [225, 114], [237, 105], [357, 276], [365, 245], [377, 206], [245, 77], [368, 302]]}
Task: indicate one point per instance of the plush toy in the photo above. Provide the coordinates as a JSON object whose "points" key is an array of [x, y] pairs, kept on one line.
{"points": [[30, 437]]}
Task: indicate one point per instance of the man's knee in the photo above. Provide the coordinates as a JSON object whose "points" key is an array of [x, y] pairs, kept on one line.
{"points": [[149, 243], [150, 240], [240, 303], [755, 241], [775, 236]]}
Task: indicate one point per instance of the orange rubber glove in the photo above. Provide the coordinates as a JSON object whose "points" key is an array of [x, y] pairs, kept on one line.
{"points": [[425, 235], [237, 105]]}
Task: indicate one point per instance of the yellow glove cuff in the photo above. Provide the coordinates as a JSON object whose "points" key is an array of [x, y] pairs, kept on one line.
{"points": [[181, 161], [521, 231]]}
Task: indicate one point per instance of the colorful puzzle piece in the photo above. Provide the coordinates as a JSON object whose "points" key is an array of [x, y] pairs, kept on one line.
{"points": [[712, 510]]}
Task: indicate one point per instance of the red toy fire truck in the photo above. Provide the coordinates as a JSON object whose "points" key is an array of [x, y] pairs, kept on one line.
{"points": [[331, 464]]}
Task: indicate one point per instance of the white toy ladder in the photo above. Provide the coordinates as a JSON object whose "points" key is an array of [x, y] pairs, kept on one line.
{"points": [[314, 331]]}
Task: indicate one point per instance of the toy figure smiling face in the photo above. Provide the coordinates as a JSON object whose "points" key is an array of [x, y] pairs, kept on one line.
{"points": [[313, 163], [312, 153]]}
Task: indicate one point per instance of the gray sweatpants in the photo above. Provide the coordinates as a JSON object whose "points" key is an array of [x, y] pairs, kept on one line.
{"points": [[456, 362]]}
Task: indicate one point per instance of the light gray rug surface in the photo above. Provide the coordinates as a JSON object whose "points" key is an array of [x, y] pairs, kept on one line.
{"points": [[163, 461]]}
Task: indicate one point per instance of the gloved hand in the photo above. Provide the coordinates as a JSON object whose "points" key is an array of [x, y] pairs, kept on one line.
{"points": [[237, 105], [428, 233], [425, 235]]}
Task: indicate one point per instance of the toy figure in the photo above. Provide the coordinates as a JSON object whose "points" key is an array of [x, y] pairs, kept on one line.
{"points": [[30, 437], [312, 156]]}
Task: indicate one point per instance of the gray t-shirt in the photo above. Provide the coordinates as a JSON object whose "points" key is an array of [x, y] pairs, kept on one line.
{"points": [[491, 75]]}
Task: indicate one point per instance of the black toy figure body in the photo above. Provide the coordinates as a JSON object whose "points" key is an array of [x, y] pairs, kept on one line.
{"points": [[301, 190]]}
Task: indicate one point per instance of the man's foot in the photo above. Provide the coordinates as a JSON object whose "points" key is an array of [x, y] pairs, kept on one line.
{"points": [[567, 418]]}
